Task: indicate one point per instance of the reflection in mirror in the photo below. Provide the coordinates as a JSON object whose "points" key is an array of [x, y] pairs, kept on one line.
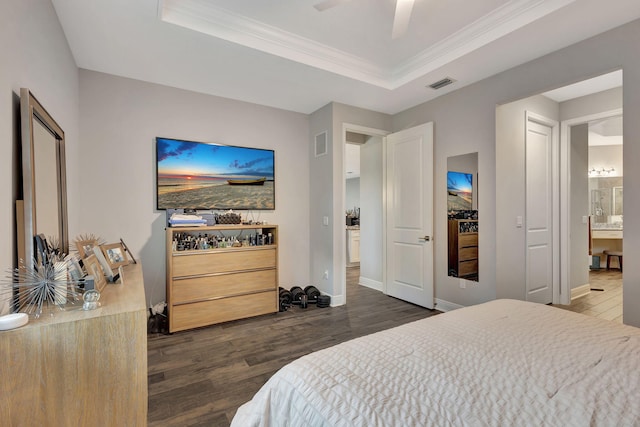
{"points": [[44, 179], [462, 215], [605, 198]]}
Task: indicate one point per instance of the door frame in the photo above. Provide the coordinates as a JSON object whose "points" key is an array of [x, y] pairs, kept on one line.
{"points": [[340, 237], [563, 294]]}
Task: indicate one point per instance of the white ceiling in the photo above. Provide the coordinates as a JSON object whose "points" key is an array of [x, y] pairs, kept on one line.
{"points": [[286, 54]]}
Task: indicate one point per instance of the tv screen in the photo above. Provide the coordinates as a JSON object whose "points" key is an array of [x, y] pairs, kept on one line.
{"points": [[197, 175], [459, 191]]}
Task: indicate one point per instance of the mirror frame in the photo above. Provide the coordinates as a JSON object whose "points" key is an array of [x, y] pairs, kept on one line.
{"points": [[30, 110]]}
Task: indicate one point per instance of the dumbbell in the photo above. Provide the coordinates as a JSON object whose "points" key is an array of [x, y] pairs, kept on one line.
{"points": [[285, 298]]}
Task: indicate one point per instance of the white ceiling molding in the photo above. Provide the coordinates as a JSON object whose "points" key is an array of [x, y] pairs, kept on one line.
{"points": [[201, 16], [500, 22]]}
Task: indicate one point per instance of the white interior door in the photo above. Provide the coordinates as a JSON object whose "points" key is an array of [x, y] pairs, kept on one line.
{"points": [[409, 215], [539, 148]]}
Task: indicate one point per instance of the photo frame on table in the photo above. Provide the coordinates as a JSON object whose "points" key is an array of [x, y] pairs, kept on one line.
{"points": [[104, 264], [115, 254], [92, 265], [85, 247]]}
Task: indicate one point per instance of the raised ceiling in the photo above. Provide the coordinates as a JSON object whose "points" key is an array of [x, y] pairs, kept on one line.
{"points": [[289, 55]]}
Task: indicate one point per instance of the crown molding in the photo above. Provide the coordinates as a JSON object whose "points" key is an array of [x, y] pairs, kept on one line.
{"points": [[201, 16]]}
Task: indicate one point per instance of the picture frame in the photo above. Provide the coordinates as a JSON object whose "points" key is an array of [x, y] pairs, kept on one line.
{"points": [[85, 247], [115, 254], [93, 267], [97, 251]]}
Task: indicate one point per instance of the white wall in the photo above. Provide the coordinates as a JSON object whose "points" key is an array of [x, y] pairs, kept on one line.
{"points": [[579, 206], [510, 194], [120, 119], [371, 213], [35, 55], [465, 122], [352, 193]]}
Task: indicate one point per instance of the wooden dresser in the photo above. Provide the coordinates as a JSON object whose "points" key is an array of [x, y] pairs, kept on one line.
{"points": [[463, 248], [218, 284], [79, 368]]}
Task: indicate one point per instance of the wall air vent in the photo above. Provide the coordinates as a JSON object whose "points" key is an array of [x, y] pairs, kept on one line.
{"points": [[441, 83]]}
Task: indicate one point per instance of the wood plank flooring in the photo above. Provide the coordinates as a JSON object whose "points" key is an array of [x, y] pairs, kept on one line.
{"points": [[605, 304], [200, 377]]}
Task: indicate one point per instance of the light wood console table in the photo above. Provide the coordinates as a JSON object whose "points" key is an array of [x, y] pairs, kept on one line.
{"points": [[80, 368]]}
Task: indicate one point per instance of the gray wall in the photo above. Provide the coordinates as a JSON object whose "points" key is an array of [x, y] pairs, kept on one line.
{"points": [[327, 243], [35, 55], [120, 119], [465, 122]]}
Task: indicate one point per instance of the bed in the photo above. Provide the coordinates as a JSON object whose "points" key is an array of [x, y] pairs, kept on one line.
{"points": [[501, 363]]}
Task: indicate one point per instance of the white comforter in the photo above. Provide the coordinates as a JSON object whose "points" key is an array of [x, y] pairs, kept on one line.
{"points": [[502, 363]]}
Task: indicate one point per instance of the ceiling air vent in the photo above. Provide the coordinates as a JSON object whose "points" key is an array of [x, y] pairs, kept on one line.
{"points": [[441, 83]]}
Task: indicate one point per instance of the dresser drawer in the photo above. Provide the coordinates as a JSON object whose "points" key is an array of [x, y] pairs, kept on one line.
{"points": [[221, 285], [468, 253], [195, 263], [467, 267], [470, 239], [204, 313]]}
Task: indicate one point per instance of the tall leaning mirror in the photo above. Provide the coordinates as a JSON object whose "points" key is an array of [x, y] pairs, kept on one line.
{"points": [[462, 216], [44, 183]]}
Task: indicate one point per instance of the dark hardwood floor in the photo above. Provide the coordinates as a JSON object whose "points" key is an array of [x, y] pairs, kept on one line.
{"points": [[200, 377], [605, 304]]}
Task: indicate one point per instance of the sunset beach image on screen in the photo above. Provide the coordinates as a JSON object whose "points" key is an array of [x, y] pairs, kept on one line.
{"points": [[459, 191], [197, 175]]}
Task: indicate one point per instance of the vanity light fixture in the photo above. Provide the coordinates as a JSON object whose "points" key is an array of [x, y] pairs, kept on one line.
{"points": [[601, 171]]}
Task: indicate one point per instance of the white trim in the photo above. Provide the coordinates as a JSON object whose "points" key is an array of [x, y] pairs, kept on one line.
{"points": [[565, 188], [444, 306], [580, 291], [370, 283], [337, 300], [202, 16]]}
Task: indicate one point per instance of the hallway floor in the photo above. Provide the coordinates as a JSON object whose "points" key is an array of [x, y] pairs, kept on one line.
{"points": [[605, 304]]}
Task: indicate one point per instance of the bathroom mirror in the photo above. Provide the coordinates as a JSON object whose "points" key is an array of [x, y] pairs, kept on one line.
{"points": [[462, 216], [606, 201], [43, 178]]}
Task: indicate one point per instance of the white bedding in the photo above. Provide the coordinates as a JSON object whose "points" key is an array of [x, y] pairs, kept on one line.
{"points": [[502, 363]]}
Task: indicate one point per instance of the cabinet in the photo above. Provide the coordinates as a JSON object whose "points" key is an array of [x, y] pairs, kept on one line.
{"points": [[353, 245], [463, 248], [78, 367], [233, 276]]}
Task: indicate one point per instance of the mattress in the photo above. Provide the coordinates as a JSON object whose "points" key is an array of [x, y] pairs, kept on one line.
{"points": [[501, 363]]}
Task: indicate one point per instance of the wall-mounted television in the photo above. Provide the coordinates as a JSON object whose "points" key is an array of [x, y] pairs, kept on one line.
{"points": [[211, 176], [459, 191]]}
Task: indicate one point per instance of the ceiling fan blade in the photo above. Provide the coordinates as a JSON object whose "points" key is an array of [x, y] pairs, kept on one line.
{"points": [[328, 4], [401, 18]]}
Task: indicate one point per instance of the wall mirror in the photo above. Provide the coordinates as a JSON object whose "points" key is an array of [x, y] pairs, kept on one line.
{"points": [[43, 179], [462, 216]]}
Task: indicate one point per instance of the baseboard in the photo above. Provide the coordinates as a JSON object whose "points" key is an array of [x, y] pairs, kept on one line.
{"points": [[444, 306], [580, 291], [370, 283], [337, 300]]}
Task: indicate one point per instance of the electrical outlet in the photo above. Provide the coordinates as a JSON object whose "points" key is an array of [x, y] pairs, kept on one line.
{"points": [[463, 284], [325, 276]]}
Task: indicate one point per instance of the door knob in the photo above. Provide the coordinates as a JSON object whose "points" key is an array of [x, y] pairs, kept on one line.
{"points": [[425, 238]]}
